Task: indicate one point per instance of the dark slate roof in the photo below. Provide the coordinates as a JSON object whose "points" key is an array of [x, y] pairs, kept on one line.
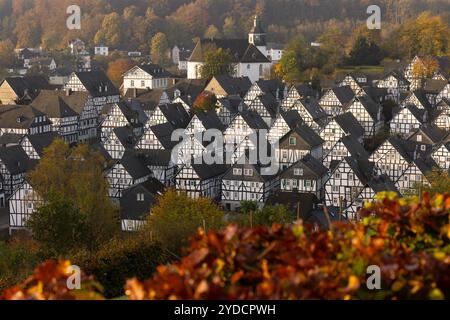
{"points": [[269, 102], [189, 88], [376, 94], [150, 99], [313, 169], [210, 120], [292, 118], [51, 104], [398, 75], [19, 117], [205, 171], [253, 119], [175, 114], [433, 132], [232, 104], [131, 208], [344, 94], [155, 158], [134, 165], [10, 139], [422, 97], [419, 114], [355, 148], [240, 50], [382, 183], [93, 80], [42, 141], [435, 86], [234, 86], [51, 100], [30, 85], [305, 90], [163, 133], [371, 106], [125, 136], [156, 71], [363, 168], [244, 163], [309, 136], [408, 149], [15, 159], [349, 124], [314, 109], [130, 114], [271, 86]]}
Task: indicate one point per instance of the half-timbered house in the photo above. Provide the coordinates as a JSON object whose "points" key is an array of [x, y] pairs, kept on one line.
{"points": [[336, 100], [22, 204], [247, 182], [275, 88], [308, 175], [311, 112], [225, 86], [228, 108], [297, 92], [396, 85], [118, 115], [118, 141], [341, 126], [347, 146], [23, 120], [407, 120], [297, 144], [285, 122], [14, 164], [22, 90], [441, 155], [34, 144], [369, 115], [266, 106]]}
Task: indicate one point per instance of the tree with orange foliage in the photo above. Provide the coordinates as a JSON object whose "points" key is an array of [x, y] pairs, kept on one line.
{"points": [[117, 68]]}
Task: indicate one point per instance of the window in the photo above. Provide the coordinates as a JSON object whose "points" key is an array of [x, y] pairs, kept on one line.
{"points": [[248, 172], [423, 147], [248, 67], [143, 84], [338, 175], [308, 183], [237, 172], [292, 141], [335, 189], [132, 83], [140, 197], [419, 138], [298, 172], [351, 176]]}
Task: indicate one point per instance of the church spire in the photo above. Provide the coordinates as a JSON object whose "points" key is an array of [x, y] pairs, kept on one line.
{"points": [[257, 35]]}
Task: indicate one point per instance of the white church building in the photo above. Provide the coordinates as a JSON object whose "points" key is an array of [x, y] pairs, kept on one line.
{"points": [[252, 58]]}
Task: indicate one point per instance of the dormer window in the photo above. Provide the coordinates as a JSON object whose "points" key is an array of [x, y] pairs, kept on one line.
{"points": [[237, 172], [298, 172], [140, 197], [419, 138], [292, 141], [248, 172]]}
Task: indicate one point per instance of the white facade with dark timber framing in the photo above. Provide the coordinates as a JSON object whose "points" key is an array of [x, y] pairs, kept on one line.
{"points": [[22, 204], [369, 115], [147, 76]]}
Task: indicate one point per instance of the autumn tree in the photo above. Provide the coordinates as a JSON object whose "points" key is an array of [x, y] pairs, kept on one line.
{"points": [[332, 47], [111, 31], [117, 68], [76, 175], [159, 49], [426, 35], [424, 68], [176, 217], [439, 182], [230, 29], [365, 52], [217, 62], [293, 61], [6, 53], [205, 101], [212, 32]]}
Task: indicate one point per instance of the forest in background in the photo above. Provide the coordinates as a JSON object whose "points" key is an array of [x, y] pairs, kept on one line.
{"points": [[130, 24]]}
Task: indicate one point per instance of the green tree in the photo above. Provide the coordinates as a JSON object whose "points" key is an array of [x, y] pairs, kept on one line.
{"points": [[365, 52], [76, 175], [58, 226], [176, 217], [159, 49], [294, 61], [251, 216], [332, 47], [439, 182], [217, 62]]}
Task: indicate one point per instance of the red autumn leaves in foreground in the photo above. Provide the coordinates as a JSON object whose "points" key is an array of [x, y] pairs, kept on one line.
{"points": [[408, 239]]}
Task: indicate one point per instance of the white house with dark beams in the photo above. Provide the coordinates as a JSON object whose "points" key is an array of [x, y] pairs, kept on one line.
{"points": [[336, 100], [311, 112], [369, 114], [22, 204], [146, 76], [14, 164], [396, 85], [285, 122], [23, 120], [245, 182], [407, 120], [34, 144], [441, 155], [345, 147], [306, 176], [341, 126]]}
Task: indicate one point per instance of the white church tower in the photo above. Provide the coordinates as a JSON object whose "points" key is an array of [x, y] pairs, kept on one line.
{"points": [[257, 36]]}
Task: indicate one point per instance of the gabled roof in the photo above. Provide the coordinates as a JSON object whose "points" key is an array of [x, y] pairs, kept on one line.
{"points": [[312, 167], [50, 100], [308, 135], [397, 75], [8, 139], [134, 165], [155, 157], [349, 124], [355, 148], [189, 88], [253, 119], [19, 117], [125, 136], [156, 71], [163, 133], [53, 106], [344, 94], [363, 168], [314, 109], [435, 86], [371, 107], [233, 86], [269, 103], [292, 118], [28, 86], [42, 141], [205, 171], [244, 163], [421, 95], [175, 114], [433, 132], [149, 98], [304, 90], [210, 120], [15, 159], [94, 80], [271, 86], [131, 208], [240, 50], [382, 183]]}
